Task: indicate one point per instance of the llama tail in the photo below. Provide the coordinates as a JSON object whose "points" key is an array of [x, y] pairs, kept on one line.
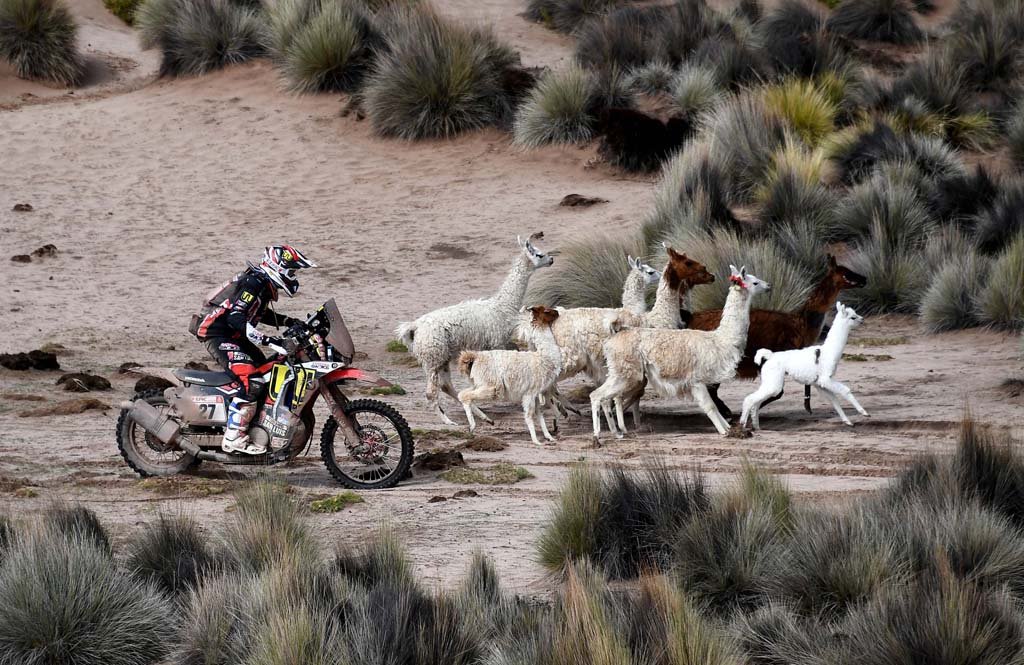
{"points": [[761, 357], [466, 360], [405, 332]]}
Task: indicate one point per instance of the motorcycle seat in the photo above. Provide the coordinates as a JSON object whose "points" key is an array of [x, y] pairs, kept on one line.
{"points": [[204, 378]]}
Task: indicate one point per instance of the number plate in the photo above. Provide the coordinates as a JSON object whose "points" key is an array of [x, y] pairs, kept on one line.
{"points": [[211, 408]]}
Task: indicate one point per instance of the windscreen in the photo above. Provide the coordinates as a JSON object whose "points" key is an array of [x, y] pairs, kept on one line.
{"points": [[338, 337]]}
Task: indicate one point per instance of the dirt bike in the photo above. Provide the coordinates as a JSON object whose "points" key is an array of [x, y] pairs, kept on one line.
{"points": [[166, 432]]}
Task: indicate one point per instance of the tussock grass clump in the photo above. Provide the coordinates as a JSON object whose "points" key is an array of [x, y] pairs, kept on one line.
{"points": [[857, 153], [381, 561], [198, 37], [651, 78], [437, 79], [693, 195], [997, 224], [950, 301], [808, 111], [589, 273], [624, 523], [884, 205], [1001, 301], [77, 521], [332, 50], [892, 266], [876, 20], [793, 190], [744, 133], [943, 621], [623, 39], [793, 37], [267, 527], [956, 198], [560, 109], [986, 41], [172, 554], [694, 90], [988, 469], [775, 634], [39, 39], [64, 602], [567, 15]]}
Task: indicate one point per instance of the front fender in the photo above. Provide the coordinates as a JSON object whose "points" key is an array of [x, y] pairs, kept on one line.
{"points": [[356, 374]]}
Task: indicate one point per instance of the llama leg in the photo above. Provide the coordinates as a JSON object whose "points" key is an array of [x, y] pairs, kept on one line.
{"points": [[433, 381], [777, 396], [529, 411], [720, 407], [544, 425], [701, 393], [752, 404], [844, 392], [466, 397], [606, 406], [620, 417], [831, 397], [595, 412]]}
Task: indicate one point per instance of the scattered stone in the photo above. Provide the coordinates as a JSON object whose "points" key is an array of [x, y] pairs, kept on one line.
{"points": [[21, 258], [22, 397], [465, 494], [66, 408], [80, 382], [485, 444], [196, 366], [148, 382], [126, 368], [580, 201], [439, 460], [36, 359], [45, 250], [437, 499], [23, 207], [1012, 387]]}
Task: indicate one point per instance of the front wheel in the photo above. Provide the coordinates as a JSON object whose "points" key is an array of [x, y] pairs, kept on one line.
{"points": [[381, 456]]}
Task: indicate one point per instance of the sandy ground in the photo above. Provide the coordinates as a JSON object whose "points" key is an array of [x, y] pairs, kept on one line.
{"points": [[155, 191]]}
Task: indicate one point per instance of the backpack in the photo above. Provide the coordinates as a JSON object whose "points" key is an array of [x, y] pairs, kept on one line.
{"points": [[215, 304]]}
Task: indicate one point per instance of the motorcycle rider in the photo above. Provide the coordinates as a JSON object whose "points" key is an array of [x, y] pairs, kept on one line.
{"points": [[227, 327]]}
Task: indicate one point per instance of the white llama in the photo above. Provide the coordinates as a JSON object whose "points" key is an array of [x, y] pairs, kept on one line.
{"points": [[437, 338], [813, 365], [523, 376], [674, 361]]}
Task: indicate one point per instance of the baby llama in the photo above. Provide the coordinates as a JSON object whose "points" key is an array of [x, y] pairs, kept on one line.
{"points": [[437, 338], [813, 365], [674, 361], [523, 376]]}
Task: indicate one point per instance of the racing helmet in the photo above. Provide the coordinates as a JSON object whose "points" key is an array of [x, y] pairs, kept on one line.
{"points": [[280, 262]]}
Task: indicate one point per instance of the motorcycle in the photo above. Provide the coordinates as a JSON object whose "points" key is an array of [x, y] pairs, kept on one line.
{"points": [[166, 432]]}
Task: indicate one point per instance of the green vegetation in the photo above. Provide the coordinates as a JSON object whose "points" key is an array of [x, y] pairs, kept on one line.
{"points": [[502, 473], [336, 503], [396, 346]]}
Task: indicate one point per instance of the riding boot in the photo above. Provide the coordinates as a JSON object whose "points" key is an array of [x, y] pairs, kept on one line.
{"points": [[236, 437]]}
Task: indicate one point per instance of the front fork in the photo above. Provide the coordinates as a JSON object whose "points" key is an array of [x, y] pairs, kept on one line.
{"points": [[337, 399]]}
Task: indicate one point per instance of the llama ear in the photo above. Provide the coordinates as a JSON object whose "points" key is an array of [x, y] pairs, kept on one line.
{"points": [[743, 272], [732, 269], [633, 263], [839, 307], [519, 239]]}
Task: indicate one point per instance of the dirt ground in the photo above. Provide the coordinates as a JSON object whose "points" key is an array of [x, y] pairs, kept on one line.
{"points": [[155, 191]]}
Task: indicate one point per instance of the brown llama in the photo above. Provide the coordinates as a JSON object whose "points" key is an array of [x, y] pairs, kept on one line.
{"points": [[783, 331]]}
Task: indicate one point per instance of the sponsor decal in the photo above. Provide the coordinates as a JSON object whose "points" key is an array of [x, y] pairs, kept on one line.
{"points": [[247, 297], [322, 366]]}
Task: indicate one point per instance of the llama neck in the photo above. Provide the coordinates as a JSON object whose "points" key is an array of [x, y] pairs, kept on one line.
{"points": [[544, 342], [835, 342], [513, 289], [665, 312], [822, 299], [735, 318], [634, 292]]}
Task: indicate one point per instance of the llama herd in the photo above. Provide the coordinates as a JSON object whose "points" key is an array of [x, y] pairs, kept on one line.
{"points": [[626, 349]]}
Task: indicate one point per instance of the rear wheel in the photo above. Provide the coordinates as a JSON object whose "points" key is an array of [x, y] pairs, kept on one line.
{"points": [[381, 456], [142, 451]]}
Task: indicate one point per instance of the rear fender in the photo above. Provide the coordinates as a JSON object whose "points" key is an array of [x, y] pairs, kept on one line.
{"points": [[356, 374], [159, 372]]}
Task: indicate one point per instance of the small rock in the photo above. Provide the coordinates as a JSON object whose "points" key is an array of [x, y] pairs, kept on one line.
{"points": [[465, 494], [148, 382], [437, 499], [197, 366], [80, 382], [485, 444], [45, 250], [738, 432], [125, 367], [439, 460], [18, 362], [21, 258], [43, 359], [23, 207], [578, 200], [66, 408]]}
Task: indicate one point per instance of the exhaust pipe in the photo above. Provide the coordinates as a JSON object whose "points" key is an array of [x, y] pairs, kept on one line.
{"points": [[162, 427]]}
